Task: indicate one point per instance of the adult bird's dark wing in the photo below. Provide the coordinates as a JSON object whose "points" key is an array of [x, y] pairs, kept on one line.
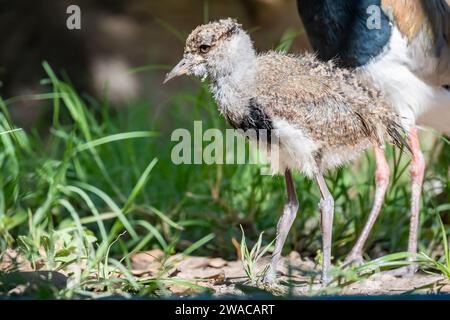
{"points": [[426, 25]]}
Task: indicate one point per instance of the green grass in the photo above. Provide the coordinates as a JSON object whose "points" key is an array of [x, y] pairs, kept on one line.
{"points": [[250, 258], [83, 191]]}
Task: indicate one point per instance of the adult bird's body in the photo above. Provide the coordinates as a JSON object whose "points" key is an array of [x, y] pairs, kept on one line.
{"points": [[405, 52], [322, 116]]}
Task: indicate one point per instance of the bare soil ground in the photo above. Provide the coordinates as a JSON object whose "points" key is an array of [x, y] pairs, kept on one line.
{"points": [[228, 277], [183, 276]]}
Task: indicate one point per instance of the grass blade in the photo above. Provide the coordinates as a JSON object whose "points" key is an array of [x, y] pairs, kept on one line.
{"points": [[112, 205], [115, 137], [196, 245], [139, 186]]}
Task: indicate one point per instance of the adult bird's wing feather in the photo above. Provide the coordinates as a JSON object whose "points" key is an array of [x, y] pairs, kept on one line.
{"points": [[426, 25]]}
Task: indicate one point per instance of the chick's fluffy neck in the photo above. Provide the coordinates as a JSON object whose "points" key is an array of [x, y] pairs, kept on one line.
{"points": [[233, 74]]}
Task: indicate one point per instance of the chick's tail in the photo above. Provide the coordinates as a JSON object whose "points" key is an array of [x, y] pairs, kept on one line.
{"points": [[396, 133]]}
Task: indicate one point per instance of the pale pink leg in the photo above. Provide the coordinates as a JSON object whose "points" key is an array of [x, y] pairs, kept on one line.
{"points": [[326, 207], [417, 174], [381, 183], [283, 227]]}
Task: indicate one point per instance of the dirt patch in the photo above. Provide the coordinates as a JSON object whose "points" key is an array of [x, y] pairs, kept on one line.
{"points": [[186, 275], [297, 276]]}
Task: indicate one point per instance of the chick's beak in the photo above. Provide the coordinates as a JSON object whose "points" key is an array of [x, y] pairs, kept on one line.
{"points": [[180, 69]]}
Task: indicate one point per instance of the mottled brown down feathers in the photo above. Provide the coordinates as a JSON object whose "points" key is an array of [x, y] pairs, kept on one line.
{"points": [[332, 104]]}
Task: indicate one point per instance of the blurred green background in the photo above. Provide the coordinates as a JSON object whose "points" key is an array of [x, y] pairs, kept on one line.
{"points": [[117, 36]]}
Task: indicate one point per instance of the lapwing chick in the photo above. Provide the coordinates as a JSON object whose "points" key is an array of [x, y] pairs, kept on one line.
{"points": [[321, 116]]}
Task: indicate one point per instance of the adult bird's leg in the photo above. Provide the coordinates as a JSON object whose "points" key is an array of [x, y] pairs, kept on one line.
{"points": [[326, 207], [284, 225], [382, 174], [417, 175]]}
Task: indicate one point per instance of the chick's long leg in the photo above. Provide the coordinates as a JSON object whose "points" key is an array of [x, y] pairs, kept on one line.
{"points": [[326, 207], [381, 183], [284, 225]]}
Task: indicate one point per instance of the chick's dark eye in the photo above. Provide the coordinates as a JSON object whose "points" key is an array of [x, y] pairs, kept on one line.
{"points": [[204, 48]]}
